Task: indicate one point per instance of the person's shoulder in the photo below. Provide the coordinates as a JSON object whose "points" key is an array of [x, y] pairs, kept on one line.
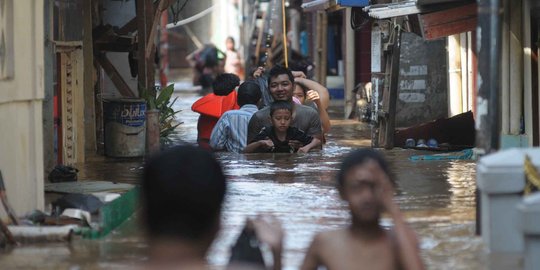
{"points": [[326, 237], [227, 114], [262, 112], [306, 109]]}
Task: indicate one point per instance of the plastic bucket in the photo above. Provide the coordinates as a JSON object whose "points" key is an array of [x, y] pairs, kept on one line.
{"points": [[125, 127]]}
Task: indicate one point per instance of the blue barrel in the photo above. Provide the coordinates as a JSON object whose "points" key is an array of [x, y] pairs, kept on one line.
{"points": [[125, 127]]}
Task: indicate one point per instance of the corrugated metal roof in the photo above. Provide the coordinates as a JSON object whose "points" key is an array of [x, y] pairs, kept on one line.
{"points": [[429, 2], [383, 11], [409, 7], [313, 5]]}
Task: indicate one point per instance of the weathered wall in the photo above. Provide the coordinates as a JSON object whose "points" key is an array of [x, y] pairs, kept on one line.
{"points": [[21, 95], [423, 94], [49, 159]]}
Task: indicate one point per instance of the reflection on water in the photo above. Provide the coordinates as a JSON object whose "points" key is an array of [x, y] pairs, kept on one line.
{"points": [[436, 196]]}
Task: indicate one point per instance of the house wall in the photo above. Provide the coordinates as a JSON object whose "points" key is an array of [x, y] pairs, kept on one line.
{"points": [[69, 81], [517, 108], [118, 13], [423, 74], [21, 96], [49, 88]]}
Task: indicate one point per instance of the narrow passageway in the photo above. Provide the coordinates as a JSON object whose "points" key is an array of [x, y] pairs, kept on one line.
{"points": [[437, 198]]}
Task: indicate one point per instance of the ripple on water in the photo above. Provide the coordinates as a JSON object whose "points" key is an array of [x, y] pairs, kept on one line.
{"points": [[437, 198]]}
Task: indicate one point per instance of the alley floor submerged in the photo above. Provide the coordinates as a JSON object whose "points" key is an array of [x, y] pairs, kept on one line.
{"points": [[437, 198]]}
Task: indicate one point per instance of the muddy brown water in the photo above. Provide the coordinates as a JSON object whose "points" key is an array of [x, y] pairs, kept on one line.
{"points": [[437, 198]]}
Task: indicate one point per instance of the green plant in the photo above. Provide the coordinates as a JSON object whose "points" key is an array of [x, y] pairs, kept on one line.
{"points": [[163, 103]]}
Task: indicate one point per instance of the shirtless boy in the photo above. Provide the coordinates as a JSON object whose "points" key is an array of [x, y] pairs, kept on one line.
{"points": [[364, 183]]}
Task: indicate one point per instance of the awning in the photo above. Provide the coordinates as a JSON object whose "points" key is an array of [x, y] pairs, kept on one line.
{"points": [[411, 7], [435, 19], [314, 5], [384, 11]]}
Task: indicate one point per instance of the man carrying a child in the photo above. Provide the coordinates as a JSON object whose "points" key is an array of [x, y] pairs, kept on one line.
{"points": [[276, 138], [281, 85]]}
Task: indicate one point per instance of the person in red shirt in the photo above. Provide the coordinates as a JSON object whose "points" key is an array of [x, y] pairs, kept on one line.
{"points": [[215, 104]]}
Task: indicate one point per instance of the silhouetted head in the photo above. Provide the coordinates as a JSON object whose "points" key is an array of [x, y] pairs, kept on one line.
{"points": [[183, 189], [225, 83], [361, 186], [248, 93]]}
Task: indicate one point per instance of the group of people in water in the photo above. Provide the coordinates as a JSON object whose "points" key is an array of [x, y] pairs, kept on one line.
{"points": [[183, 187], [293, 115], [183, 190]]}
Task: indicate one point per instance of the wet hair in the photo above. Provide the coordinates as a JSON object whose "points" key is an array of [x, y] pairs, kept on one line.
{"points": [[183, 189], [249, 93], [304, 89], [280, 105], [279, 70], [225, 83], [295, 66], [360, 157]]}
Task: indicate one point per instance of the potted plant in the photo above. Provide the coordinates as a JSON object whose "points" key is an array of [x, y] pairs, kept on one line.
{"points": [[160, 117]]}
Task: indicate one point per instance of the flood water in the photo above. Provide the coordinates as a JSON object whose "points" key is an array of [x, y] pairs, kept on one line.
{"points": [[437, 198]]}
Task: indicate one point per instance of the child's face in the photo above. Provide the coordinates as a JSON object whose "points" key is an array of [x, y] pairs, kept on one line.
{"points": [[229, 44], [299, 93], [281, 119]]}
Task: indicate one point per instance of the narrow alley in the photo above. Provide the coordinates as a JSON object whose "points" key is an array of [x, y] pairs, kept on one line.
{"points": [[91, 91], [436, 196]]}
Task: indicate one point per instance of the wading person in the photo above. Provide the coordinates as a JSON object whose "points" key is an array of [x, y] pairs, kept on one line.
{"points": [[309, 92], [261, 79], [230, 132], [207, 63], [183, 189], [214, 105], [364, 182], [276, 138], [281, 85]]}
